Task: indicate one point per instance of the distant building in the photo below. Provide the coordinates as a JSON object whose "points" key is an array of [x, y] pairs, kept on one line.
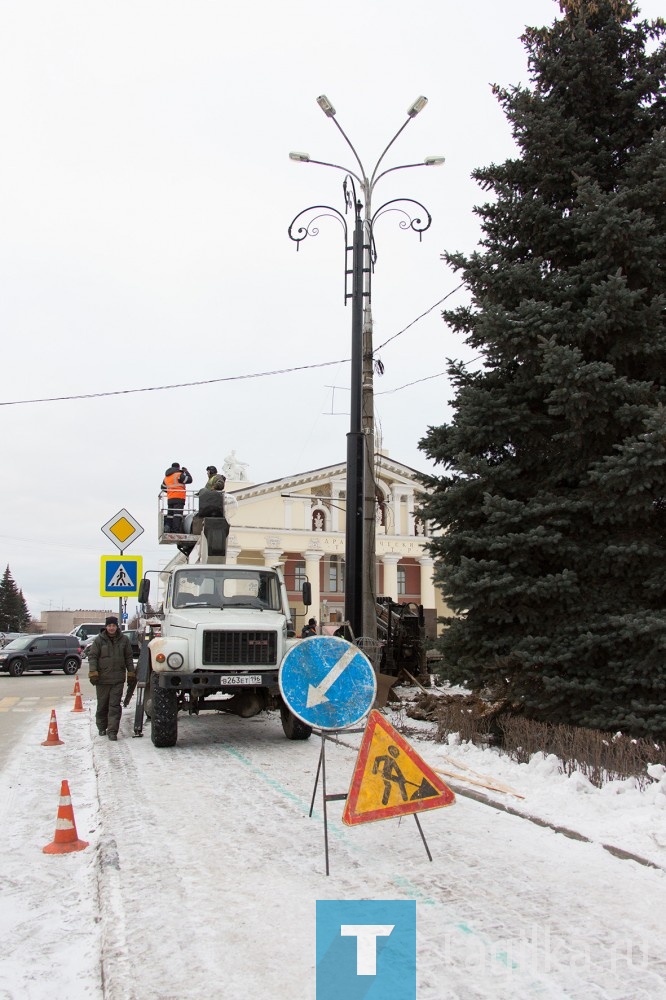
{"points": [[65, 621]]}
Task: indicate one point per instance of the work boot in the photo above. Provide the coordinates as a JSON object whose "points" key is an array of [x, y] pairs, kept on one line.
{"points": [[102, 732], [113, 736]]}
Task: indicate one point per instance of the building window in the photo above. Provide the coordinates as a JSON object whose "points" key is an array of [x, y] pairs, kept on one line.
{"points": [[402, 588], [336, 575], [299, 576]]}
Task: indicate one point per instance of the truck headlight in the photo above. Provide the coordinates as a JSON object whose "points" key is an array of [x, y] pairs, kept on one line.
{"points": [[175, 661]]}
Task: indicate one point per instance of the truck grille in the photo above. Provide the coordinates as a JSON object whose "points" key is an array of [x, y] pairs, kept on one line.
{"points": [[239, 649]]}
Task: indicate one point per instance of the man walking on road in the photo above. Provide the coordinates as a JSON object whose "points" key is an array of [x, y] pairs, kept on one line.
{"points": [[109, 662]]}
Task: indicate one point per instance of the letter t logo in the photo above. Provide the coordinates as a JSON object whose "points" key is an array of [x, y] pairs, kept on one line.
{"points": [[366, 944]]}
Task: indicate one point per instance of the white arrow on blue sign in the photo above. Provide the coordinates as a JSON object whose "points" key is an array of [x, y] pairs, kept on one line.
{"points": [[327, 682]]}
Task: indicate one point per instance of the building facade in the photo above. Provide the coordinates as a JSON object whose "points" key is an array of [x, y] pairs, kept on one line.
{"points": [[299, 522]]}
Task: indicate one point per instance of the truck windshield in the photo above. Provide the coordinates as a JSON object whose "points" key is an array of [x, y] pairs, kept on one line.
{"points": [[226, 587]]}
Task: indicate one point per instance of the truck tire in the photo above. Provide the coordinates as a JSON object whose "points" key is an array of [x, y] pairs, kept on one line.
{"points": [[293, 728], [164, 715], [16, 668]]}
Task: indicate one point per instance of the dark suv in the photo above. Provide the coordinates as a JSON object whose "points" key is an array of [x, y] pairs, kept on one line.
{"points": [[41, 652]]}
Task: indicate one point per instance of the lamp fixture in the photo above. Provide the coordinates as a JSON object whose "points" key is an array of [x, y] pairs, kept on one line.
{"points": [[326, 106], [418, 105]]}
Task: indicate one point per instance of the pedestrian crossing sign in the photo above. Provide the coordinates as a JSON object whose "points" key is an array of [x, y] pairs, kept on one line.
{"points": [[120, 576], [390, 779]]}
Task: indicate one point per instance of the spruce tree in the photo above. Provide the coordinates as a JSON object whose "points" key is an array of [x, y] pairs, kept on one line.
{"points": [[552, 497], [14, 613]]}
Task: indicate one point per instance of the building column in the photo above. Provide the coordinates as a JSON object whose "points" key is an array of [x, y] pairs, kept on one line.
{"points": [[410, 513], [272, 556], [232, 554], [312, 559], [428, 599], [287, 506], [390, 561], [396, 496], [335, 508]]}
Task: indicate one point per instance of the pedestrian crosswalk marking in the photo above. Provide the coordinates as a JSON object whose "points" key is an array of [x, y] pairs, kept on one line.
{"points": [[30, 704], [7, 703]]}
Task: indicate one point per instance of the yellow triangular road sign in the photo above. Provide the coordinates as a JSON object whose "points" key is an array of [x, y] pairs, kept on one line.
{"points": [[390, 779]]}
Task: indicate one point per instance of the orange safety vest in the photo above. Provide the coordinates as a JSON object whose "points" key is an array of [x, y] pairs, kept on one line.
{"points": [[175, 489]]}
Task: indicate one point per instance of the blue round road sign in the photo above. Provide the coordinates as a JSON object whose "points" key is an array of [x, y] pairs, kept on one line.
{"points": [[327, 682]]}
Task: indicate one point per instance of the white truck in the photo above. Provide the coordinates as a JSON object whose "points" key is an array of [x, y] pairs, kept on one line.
{"points": [[225, 631]]}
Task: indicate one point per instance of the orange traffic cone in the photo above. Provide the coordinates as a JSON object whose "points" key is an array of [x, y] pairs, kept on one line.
{"points": [[66, 838], [52, 738], [77, 686], [78, 704]]}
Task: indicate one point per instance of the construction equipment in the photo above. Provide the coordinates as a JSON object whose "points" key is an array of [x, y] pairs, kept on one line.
{"points": [[401, 629], [225, 629]]}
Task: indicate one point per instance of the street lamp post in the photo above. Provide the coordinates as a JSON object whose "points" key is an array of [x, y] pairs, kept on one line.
{"points": [[360, 519]]}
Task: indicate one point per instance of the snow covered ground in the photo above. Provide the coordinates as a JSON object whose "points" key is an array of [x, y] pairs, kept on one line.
{"points": [[204, 869]]}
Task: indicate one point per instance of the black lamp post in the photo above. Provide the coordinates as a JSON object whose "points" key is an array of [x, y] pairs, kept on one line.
{"points": [[360, 544]]}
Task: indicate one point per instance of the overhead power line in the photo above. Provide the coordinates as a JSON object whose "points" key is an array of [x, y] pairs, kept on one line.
{"points": [[175, 385], [227, 378], [405, 328]]}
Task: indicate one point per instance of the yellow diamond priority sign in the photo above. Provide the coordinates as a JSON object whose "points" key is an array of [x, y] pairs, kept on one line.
{"points": [[122, 529]]}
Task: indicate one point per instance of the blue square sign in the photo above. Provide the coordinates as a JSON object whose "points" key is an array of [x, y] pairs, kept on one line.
{"points": [[366, 949]]}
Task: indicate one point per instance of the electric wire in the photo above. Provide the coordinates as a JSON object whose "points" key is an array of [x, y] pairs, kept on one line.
{"points": [[229, 378]]}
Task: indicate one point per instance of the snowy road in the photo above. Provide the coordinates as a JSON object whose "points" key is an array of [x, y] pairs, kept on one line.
{"points": [[203, 871]]}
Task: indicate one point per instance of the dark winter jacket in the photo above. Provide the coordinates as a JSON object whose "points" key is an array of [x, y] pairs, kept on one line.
{"points": [[110, 658], [211, 503]]}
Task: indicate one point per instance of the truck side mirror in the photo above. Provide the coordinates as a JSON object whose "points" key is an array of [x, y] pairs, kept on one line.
{"points": [[307, 593], [144, 590]]}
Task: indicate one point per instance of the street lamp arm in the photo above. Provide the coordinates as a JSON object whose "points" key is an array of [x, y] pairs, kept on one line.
{"points": [[374, 177], [336, 166], [403, 166], [410, 221], [363, 180]]}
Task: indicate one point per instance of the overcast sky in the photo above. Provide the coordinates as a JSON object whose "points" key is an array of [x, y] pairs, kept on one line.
{"points": [[146, 192]]}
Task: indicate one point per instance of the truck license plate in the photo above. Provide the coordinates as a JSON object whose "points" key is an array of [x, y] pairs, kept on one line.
{"points": [[235, 679]]}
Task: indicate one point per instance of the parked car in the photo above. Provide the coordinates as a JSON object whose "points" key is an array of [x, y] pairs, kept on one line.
{"points": [[47, 653], [131, 633], [6, 637], [88, 630]]}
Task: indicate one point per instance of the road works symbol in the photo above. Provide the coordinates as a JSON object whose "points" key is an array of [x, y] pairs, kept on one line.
{"points": [[327, 682], [390, 778]]}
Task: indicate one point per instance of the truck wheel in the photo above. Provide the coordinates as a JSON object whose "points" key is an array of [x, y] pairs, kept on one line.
{"points": [[164, 715], [293, 728], [16, 668], [71, 666]]}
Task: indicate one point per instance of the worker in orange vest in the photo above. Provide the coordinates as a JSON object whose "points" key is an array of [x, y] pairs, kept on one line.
{"points": [[174, 482]]}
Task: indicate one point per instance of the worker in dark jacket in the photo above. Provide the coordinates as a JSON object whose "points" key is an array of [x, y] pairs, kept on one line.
{"points": [[174, 483], [211, 498], [110, 661]]}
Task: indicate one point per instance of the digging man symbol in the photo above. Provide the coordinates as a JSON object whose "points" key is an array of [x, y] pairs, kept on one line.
{"points": [[389, 770], [391, 773]]}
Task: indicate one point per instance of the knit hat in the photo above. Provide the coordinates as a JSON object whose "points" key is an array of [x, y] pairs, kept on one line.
{"points": [[212, 469], [111, 620]]}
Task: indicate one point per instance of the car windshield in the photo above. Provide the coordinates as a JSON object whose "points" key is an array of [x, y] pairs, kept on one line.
{"points": [[225, 587], [21, 643]]}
